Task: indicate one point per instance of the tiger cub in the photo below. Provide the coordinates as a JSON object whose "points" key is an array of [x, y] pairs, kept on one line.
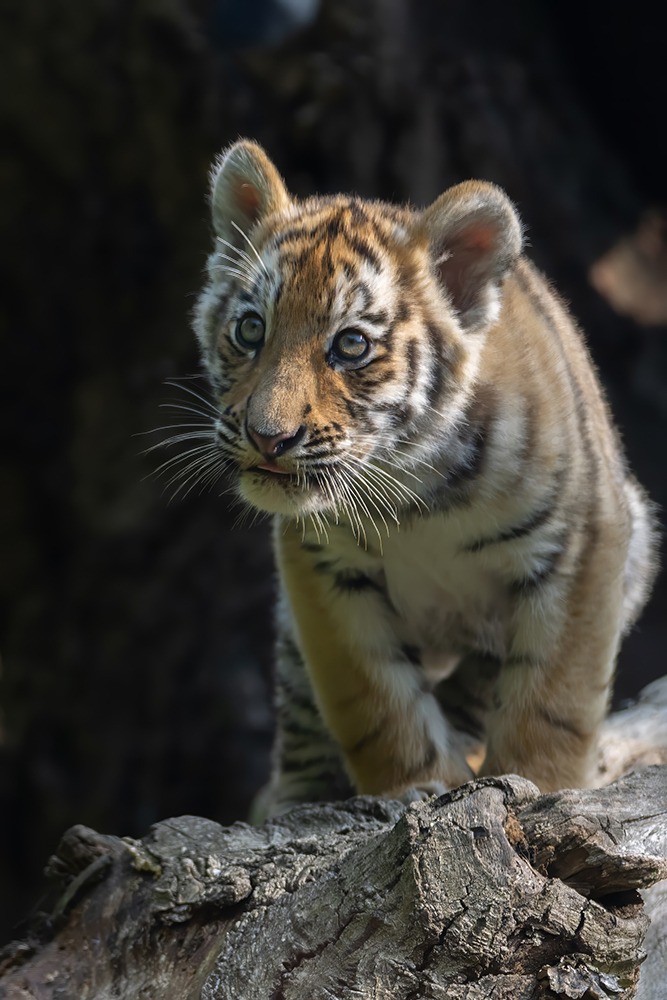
{"points": [[460, 545]]}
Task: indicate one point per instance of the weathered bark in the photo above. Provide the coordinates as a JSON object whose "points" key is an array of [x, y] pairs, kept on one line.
{"points": [[491, 891]]}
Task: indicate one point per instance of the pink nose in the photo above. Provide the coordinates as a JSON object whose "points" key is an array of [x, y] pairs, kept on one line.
{"points": [[273, 445]]}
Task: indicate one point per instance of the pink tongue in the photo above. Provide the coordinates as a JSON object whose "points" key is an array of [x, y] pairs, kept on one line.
{"points": [[269, 467]]}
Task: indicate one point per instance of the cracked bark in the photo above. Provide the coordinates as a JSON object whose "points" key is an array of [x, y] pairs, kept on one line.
{"points": [[490, 892]]}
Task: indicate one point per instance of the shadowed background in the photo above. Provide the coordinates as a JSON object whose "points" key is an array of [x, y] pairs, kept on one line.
{"points": [[135, 631]]}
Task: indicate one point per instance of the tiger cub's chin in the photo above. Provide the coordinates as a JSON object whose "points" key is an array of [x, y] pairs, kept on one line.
{"points": [[278, 495]]}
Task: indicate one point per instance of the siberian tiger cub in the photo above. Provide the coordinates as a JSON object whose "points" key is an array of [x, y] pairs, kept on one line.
{"points": [[460, 545]]}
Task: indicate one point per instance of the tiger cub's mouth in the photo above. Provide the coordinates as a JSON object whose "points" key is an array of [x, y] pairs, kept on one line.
{"points": [[271, 468], [273, 489]]}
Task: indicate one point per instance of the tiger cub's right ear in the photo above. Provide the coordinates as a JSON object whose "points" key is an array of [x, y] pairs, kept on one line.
{"points": [[245, 188]]}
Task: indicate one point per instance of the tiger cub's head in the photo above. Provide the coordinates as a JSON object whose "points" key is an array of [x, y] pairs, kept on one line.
{"points": [[341, 336]]}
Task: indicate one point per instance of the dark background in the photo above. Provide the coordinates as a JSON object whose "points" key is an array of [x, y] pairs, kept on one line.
{"points": [[136, 632]]}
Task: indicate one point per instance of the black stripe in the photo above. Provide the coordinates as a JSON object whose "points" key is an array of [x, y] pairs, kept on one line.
{"points": [[327, 264], [294, 699], [563, 724], [527, 527], [287, 646], [437, 373], [296, 260], [354, 581], [520, 660], [311, 547], [403, 312], [334, 225], [296, 234], [473, 438], [379, 318], [400, 316], [297, 763], [247, 297], [538, 577], [351, 406], [381, 376], [412, 654], [319, 439], [365, 740], [277, 295], [427, 762], [412, 360], [364, 251], [592, 457], [357, 213], [468, 722], [401, 414], [330, 296], [366, 384], [294, 727], [325, 565], [290, 692], [360, 290], [349, 270]]}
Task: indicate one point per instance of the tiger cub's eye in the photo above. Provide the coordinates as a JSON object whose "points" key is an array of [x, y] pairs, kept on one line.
{"points": [[350, 345], [249, 331]]}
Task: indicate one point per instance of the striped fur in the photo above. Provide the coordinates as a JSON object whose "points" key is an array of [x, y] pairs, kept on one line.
{"points": [[460, 544]]}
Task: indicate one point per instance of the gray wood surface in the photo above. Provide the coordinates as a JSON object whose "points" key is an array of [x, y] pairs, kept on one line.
{"points": [[490, 892]]}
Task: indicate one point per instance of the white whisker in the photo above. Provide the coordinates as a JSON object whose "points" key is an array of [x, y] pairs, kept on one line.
{"points": [[356, 492], [232, 270], [390, 483], [252, 247], [376, 489], [186, 388], [239, 267], [232, 246], [193, 478], [173, 427], [178, 438], [175, 459]]}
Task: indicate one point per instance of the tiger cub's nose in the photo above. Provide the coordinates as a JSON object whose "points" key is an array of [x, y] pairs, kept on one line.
{"points": [[276, 444]]}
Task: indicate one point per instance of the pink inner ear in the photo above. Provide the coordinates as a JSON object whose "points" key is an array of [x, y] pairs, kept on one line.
{"points": [[464, 269], [479, 237], [247, 197]]}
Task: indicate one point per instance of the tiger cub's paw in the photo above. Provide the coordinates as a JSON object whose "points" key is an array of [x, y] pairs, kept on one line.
{"points": [[419, 793]]}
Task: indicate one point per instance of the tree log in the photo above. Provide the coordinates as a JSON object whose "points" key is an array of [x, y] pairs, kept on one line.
{"points": [[489, 892]]}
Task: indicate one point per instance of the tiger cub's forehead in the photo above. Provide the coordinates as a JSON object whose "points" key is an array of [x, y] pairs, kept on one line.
{"points": [[332, 257]]}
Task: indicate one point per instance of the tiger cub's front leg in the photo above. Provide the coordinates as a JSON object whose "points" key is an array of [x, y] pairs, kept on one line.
{"points": [[553, 691], [390, 729]]}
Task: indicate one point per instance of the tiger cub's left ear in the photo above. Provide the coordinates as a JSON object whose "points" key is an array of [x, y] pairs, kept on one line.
{"points": [[245, 188], [475, 237]]}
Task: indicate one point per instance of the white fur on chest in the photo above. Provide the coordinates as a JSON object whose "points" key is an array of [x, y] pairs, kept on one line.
{"points": [[445, 601]]}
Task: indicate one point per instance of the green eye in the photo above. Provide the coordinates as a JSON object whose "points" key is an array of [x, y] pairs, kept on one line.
{"points": [[249, 331], [350, 345]]}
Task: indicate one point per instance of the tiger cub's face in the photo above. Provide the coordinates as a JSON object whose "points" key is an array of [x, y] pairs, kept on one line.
{"points": [[341, 337]]}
